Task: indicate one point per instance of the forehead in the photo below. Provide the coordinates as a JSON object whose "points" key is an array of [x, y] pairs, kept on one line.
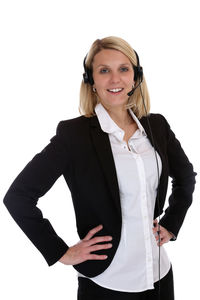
{"points": [[109, 57]]}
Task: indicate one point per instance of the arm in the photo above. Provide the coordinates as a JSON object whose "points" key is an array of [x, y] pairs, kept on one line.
{"points": [[183, 182], [33, 182]]}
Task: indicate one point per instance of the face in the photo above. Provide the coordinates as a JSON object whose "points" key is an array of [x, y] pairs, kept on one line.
{"points": [[113, 77]]}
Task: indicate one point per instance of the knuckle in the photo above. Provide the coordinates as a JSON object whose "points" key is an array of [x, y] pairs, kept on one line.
{"points": [[94, 256], [91, 231], [96, 247], [100, 247], [91, 257], [107, 238], [95, 240], [99, 239], [84, 243]]}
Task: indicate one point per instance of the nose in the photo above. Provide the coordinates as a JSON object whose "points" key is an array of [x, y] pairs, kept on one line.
{"points": [[115, 77]]}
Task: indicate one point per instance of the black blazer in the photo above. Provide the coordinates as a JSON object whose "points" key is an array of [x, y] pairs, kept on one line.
{"points": [[81, 152]]}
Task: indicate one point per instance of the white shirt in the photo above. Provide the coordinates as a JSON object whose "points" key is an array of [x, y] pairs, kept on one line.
{"points": [[134, 267]]}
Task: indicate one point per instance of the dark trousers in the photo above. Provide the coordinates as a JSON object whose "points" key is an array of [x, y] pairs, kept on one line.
{"points": [[89, 290]]}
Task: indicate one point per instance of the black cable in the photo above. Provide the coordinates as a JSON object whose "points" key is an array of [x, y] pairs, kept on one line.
{"points": [[157, 165]]}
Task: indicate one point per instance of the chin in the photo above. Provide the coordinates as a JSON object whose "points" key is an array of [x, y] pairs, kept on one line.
{"points": [[115, 103]]}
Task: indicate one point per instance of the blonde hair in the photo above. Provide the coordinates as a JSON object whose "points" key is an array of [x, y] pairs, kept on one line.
{"points": [[89, 99]]}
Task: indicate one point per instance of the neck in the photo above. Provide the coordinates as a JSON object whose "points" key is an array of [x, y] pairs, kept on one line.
{"points": [[120, 116]]}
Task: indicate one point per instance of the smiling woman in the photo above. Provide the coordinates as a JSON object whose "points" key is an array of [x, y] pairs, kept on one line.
{"points": [[118, 183]]}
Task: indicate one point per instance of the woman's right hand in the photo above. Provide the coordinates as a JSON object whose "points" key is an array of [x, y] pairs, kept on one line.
{"points": [[82, 250]]}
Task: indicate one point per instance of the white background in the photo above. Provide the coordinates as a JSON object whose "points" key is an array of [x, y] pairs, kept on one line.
{"points": [[43, 44]]}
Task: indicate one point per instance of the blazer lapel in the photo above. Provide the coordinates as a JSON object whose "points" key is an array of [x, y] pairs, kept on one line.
{"points": [[144, 123], [103, 148], [158, 148]]}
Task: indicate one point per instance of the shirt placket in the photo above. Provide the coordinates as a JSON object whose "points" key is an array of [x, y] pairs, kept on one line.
{"points": [[145, 216]]}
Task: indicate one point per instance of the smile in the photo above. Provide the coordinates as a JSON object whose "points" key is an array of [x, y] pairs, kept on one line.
{"points": [[118, 90]]}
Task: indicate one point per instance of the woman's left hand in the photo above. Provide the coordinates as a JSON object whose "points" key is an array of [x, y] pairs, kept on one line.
{"points": [[165, 235]]}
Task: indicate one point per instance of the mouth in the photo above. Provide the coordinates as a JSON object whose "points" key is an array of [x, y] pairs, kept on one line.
{"points": [[115, 91]]}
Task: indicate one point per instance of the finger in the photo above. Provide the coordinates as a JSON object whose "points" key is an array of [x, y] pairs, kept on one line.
{"points": [[92, 232], [100, 247], [99, 239], [155, 229], [163, 241], [96, 257], [166, 233], [159, 236], [155, 222], [155, 226]]}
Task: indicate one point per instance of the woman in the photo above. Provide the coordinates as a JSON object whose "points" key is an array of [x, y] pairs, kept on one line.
{"points": [[117, 180]]}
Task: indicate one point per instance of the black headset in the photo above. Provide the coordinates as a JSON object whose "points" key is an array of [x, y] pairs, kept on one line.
{"points": [[88, 78]]}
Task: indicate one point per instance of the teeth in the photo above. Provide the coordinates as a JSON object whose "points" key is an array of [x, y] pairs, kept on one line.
{"points": [[115, 90]]}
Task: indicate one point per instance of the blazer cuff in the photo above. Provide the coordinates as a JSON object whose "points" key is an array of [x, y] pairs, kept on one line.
{"points": [[173, 237]]}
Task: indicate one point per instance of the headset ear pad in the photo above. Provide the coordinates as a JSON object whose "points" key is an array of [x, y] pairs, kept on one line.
{"points": [[138, 73], [90, 77], [87, 76]]}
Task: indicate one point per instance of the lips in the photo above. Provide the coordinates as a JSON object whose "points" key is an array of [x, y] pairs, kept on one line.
{"points": [[115, 91]]}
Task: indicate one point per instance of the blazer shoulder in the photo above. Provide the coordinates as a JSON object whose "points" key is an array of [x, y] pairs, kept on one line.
{"points": [[72, 125], [158, 121], [81, 120], [156, 117]]}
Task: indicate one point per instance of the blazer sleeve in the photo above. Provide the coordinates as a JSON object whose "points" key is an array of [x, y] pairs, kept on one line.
{"points": [[33, 182], [183, 182]]}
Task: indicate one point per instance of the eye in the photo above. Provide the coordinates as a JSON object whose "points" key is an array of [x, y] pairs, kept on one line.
{"points": [[104, 70], [124, 69]]}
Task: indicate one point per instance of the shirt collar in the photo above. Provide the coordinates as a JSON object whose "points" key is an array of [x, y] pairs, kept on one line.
{"points": [[108, 125]]}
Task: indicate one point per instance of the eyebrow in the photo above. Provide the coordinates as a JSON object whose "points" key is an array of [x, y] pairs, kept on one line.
{"points": [[123, 64]]}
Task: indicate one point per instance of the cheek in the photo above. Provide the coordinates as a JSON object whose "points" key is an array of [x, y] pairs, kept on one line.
{"points": [[100, 84], [129, 79], [101, 92]]}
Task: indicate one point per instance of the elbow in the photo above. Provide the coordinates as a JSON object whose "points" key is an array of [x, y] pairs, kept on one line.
{"points": [[8, 200]]}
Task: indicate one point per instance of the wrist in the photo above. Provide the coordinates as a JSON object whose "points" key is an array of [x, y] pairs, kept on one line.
{"points": [[64, 259]]}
